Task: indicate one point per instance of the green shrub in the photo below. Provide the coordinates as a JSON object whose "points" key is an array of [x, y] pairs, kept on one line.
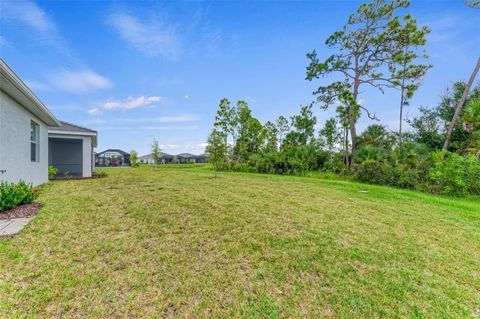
{"points": [[100, 173], [335, 163], [267, 162], [52, 171], [243, 168], [454, 174], [13, 195], [372, 172], [404, 176], [302, 159], [371, 152]]}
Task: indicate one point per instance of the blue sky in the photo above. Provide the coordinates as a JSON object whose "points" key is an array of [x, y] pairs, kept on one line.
{"points": [[140, 70]]}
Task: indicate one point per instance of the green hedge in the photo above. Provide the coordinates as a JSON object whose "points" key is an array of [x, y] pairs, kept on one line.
{"points": [[13, 195], [443, 173]]}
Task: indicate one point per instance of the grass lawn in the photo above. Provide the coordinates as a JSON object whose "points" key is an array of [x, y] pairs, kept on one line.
{"points": [[175, 242]]}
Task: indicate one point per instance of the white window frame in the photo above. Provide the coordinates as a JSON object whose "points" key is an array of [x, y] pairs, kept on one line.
{"points": [[35, 140]]}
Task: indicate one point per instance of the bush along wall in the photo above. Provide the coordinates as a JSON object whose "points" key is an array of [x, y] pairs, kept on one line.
{"points": [[13, 195]]}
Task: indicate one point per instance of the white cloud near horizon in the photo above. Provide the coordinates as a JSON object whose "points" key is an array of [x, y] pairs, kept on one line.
{"points": [[152, 38], [81, 81]]}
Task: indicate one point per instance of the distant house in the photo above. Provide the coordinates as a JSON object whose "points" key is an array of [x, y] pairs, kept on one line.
{"points": [[24, 122], [70, 149], [202, 158], [164, 159], [112, 158], [31, 138], [185, 158], [174, 159], [191, 158]]}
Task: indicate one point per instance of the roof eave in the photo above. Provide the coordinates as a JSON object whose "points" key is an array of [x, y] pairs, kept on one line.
{"points": [[20, 92], [93, 135]]}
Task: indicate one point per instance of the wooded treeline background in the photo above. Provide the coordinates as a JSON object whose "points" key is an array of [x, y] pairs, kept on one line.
{"points": [[380, 48]]}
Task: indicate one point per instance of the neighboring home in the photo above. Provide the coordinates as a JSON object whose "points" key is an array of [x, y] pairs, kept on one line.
{"points": [[192, 158], [30, 136], [70, 149], [24, 122], [174, 159], [148, 159], [202, 158], [185, 158], [112, 158]]}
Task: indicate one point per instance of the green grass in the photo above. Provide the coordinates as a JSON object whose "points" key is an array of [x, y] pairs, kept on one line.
{"points": [[174, 242]]}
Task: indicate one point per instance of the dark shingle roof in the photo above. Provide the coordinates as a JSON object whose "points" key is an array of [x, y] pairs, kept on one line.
{"points": [[69, 127], [185, 155], [165, 155], [114, 150], [162, 155]]}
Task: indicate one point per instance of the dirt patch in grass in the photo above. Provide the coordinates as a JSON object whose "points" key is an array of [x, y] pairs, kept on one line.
{"points": [[22, 211]]}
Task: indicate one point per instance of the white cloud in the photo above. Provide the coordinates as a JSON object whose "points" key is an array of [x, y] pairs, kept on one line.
{"points": [[100, 125], [37, 86], [30, 14], [81, 81], [4, 42], [66, 107], [181, 118], [169, 147], [151, 38], [94, 111], [186, 97], [131, 103], [44, 28]]}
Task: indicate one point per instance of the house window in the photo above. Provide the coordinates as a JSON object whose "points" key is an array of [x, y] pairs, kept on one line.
{"points": [[34, 142]]}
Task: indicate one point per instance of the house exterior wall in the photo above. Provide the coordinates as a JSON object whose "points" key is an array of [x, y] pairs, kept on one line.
{"points": [[15, 163], [87, 151], [88, 160]]}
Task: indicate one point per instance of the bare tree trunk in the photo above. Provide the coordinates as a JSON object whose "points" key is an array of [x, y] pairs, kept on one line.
{"points": [[280, 140], [459, 107], [353, 137], [402, 100], [352, 122], [347, 160]]}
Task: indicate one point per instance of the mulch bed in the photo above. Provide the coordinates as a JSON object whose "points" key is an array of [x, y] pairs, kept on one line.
{"points": [[22, 211]]}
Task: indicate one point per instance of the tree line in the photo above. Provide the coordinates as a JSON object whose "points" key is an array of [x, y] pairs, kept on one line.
{"points": [[378, 48]]}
